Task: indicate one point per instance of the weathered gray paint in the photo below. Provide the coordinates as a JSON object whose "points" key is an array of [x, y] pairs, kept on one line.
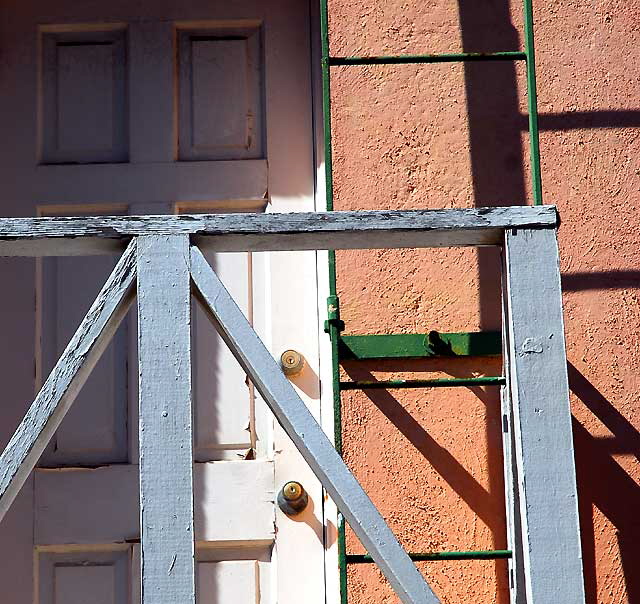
{"points": [[537, 365], [66, 379], [308, 436], [272, 232], [165, 430]]}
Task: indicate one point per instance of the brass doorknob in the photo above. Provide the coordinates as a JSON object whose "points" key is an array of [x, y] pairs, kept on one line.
{"points": [[292, 362], [292, 498]]}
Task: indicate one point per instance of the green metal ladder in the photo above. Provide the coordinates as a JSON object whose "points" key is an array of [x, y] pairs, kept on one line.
{"points": [[412, 346]]}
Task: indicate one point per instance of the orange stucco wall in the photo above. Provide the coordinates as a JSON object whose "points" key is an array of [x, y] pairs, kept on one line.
{"points": [[444, 135]]}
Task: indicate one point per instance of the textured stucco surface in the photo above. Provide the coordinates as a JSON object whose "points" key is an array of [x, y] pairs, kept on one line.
{"points": [[449, 136]]}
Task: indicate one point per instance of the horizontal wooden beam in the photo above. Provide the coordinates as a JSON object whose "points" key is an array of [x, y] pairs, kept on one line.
{"points": [[68, 236]]}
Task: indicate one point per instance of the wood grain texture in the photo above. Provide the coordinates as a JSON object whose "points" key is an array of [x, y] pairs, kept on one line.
{"points": [[308, 436], [66, 379], [542, 433], [165, 424], [273, 232]]}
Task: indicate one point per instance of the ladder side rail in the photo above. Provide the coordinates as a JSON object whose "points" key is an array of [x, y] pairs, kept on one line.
{"points": [[167, 557], [542, 432], [532, 103], [308, 436], [61, 388]]}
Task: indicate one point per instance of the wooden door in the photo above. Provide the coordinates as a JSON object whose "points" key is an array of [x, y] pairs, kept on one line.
{"points": [[157, 107]]}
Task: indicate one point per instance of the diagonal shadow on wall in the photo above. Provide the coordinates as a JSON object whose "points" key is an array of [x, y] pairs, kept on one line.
{"points": [[606, 485]]}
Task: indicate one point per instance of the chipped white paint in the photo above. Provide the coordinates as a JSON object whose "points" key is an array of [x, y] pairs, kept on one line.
{"points": [[66, 379], [272, 232], [546, 480], [308, 436], [165, 431]]}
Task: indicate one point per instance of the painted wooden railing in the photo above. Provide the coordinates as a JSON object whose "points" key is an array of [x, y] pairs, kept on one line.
{"points": [[162, 262]]}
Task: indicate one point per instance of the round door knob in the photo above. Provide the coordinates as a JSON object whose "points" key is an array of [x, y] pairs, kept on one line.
{"points": [[292, 498], [292, 362]]}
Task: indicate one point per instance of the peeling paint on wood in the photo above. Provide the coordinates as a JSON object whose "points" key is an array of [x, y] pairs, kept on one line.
{"points": [[272, 232]]}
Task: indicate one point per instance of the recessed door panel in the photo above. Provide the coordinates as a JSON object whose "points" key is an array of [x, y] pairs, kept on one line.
{"points": [[99, 577], [226, 581], [221, 68], [84, 96]]}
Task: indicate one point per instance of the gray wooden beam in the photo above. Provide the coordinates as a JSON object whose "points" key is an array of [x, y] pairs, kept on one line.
{"points": [[308, 436], [544, 456], [165, 422], [273, 232], [67, 378]]}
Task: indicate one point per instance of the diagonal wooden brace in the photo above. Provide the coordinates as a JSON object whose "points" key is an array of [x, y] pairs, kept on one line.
{"points": [[308, 436]]}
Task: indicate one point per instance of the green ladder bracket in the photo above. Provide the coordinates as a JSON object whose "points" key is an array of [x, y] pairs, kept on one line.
{"points": [[419, 345], [333, 325]]}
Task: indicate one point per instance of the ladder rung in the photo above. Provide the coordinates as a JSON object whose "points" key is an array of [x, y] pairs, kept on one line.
{"points": [[441, 58], [497, 554], [437, 383]]}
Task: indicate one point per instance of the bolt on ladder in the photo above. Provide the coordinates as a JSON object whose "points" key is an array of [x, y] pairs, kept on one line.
{"points": [[433, 344]]}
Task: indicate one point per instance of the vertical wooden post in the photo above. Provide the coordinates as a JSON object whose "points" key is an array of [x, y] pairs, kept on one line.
{"points": [[543, 443], [166, 484]]}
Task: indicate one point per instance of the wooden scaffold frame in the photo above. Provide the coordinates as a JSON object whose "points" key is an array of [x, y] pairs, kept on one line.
{"points": [[162, 262]]}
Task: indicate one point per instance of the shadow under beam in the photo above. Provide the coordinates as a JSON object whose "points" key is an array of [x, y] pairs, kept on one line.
{"points": [[572, 282]]}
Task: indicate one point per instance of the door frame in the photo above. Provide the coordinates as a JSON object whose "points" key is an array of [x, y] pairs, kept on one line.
{"points": [[327, 416]]}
